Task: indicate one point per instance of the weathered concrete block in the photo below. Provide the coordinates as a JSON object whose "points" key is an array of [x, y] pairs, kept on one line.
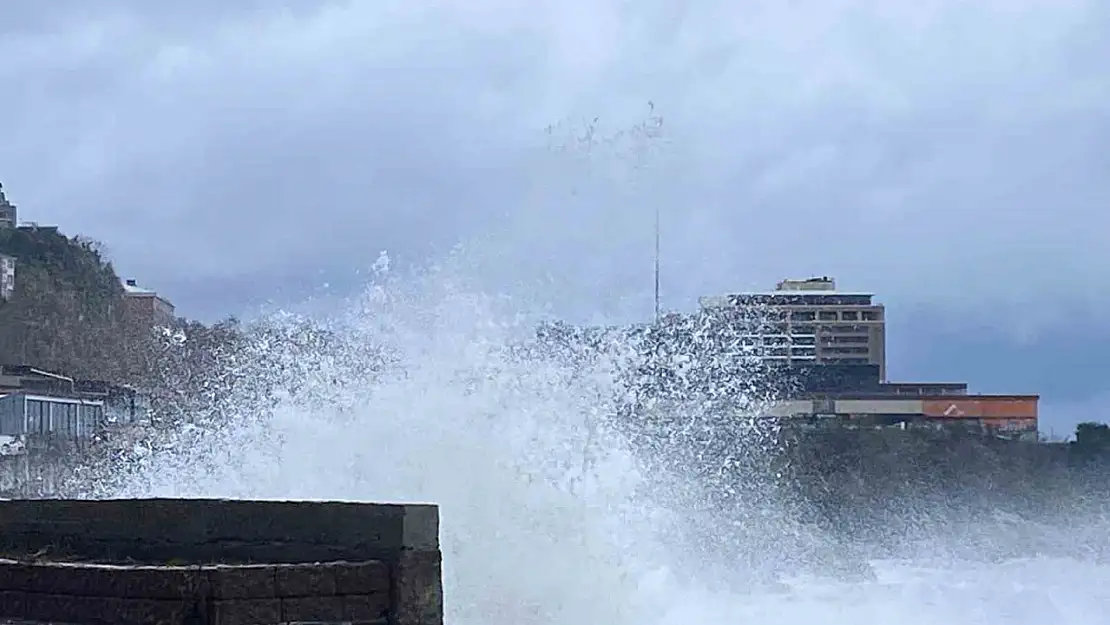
{"points": [[217, 562], [361, 578], [53, 608], [312, 610], [14, 603], [106, 581], [148, 611], [51, 578], [14, 575], [150, 582], [58, 608], [157, 531], [96, 580], [243, 582], [365, 608], [246, 612], [298, 580], [418, 588]]}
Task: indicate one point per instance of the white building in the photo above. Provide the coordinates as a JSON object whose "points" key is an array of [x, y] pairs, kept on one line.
{"points": [[7, 277], [810, 321], [9, 216]]}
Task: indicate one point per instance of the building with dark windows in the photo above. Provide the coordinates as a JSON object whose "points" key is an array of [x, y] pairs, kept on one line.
{"points": [[30, 415], [822, 353], [116, 404], [805, 352], [808, 321]]}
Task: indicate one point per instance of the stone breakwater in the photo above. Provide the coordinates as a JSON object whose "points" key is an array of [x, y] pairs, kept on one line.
{"points": [[208, 562]]}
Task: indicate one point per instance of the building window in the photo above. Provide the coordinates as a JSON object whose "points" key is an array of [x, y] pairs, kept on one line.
{"points": [[803, 315], [844, 338], [847, 350], [71, 419], [38, 416], [827, 316], [849, 315], [90, 418], [848, 328], [870, 315]]}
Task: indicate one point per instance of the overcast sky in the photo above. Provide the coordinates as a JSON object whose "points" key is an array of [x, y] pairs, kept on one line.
{"points": [[951, 156]]}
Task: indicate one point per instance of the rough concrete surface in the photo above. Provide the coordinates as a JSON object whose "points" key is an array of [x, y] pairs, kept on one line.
{"points": [[159, 561]]}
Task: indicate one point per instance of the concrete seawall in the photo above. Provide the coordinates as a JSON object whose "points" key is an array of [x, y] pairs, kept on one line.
{"points": [[219, 562]]}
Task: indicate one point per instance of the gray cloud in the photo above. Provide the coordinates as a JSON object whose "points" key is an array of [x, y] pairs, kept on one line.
{"points": [[944, 154]]}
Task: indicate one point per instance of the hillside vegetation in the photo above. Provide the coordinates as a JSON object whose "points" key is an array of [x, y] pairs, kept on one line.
{"points": [[66, 314]]}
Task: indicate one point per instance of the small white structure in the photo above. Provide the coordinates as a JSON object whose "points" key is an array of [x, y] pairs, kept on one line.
{"points": [[12, 445], [7, 276]]}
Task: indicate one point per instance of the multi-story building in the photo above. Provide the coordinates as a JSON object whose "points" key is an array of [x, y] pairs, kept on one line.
{"points": [[146, 308], [9, 216], [810, 321], [832, 345], [7, 277]]}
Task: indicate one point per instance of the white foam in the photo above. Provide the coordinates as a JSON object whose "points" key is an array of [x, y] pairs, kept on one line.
{"points": [[542, 517]]}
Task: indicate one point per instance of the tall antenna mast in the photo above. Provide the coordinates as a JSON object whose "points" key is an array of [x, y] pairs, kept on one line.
{"points": [[653, 129], [657, 237]]}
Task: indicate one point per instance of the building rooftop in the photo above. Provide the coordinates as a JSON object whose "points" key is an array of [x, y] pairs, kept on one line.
{"points": [[957, 399], [824, 283], [800, 293], [131, 287], [920, 384], [788, 291], [785, 298]]}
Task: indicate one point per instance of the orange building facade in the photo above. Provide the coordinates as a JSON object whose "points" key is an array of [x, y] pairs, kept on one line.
{"points": [[1008, 416]]}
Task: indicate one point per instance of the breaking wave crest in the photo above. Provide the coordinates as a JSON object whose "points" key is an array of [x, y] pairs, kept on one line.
{"points": [[553, 510], [428, 392], [608, 477]]}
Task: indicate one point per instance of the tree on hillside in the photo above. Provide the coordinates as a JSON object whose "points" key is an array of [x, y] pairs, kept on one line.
{"points": [[1092, 442]]}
